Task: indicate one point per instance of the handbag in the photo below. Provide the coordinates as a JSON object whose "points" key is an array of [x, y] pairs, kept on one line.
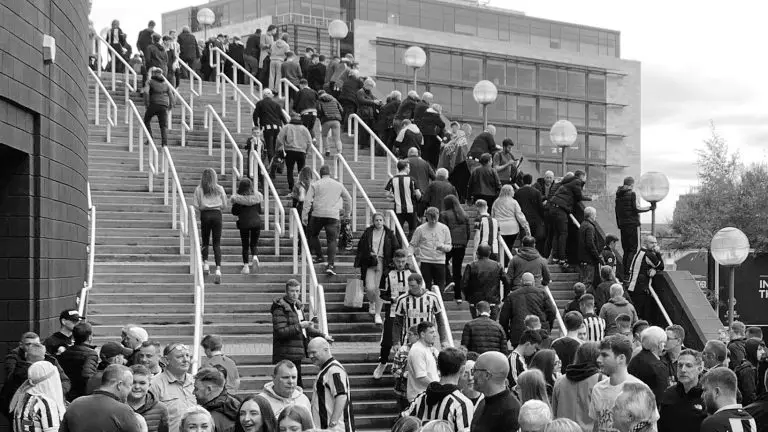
{"points": [[353, 296]]}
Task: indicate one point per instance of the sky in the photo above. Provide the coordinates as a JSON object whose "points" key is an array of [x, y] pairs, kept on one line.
{"points": [[698, 60]]}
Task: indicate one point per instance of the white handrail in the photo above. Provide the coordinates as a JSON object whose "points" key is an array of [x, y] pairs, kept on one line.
{"points": [[285, 94], [192, 77], [269, 190], [225, 137], [88, 284], [316, 155], [353, 128], [111, 113], [314, 296], [219, 65], [179, 218], [128, 69], [185, 125], [356, 187], [398, 229], [134, 112], [196, 268], [239, 95]]}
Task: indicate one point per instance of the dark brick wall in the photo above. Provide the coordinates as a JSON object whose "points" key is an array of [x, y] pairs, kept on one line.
{"points": [[43, 164]]}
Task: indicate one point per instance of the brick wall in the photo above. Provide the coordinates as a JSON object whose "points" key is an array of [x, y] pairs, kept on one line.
{"points": [[43, 164]]}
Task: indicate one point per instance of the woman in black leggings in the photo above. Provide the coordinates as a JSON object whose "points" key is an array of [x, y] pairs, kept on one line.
{"points": [[246, 205], [210, 199]]}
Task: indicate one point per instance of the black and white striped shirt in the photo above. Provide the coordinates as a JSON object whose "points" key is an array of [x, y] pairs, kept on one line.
{"points": [[595, 327], [37, 414], [332, 381], [415, 310], [488, 232], [454, 407], [403, 188]]}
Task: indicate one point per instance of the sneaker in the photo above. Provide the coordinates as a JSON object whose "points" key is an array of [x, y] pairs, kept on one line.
{"points": [[450, 287], [217, 277], [379, 371], [377, 320], [255, 263], [318, 260], [206, 269], [371, 309], [329, 270], [246, 269]]}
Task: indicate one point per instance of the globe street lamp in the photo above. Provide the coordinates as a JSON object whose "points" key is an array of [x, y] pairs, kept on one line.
{"points": [[205, 17], [653, 187], [563, 134], [416, 58], [485, 93], [730, 248], [338, 30]]}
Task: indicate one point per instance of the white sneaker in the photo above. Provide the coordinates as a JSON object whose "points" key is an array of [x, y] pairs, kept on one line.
{"points": [[379, 371], [217, 277], [246, 269], [206, 269], [255, 263], [377, 319], [450, 287]]}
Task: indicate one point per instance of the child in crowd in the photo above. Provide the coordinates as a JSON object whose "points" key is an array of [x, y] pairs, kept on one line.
{"points": [[578, 290], [399, 366], [607, 255], [300, 189], [393, 284], [246, 205]]}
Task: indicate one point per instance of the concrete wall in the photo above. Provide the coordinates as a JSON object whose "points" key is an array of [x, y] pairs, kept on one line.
{"points": [[43, 164], [623, 90]]}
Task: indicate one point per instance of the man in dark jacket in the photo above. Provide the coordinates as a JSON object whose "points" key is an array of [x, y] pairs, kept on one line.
{"points": [[481, 281], [421, 108], [80, 360], [159, 100], [484, 143], [499, 409], [189, 50], [236, 50], [681, 407], [483, 333], [527, 300], [211, 395], [759, 408], [316, 72], [306, 60], [155, 56], [305, 103], [384, 126], [290, 331], [628, 219], [330, 114], [437, 190], [647, 365], [737, 344], [546, 186], [145, 37], [484, 182], [406, 109], [532, 204], [144, 402], [421, 171], [589, 252], [561, 205], [252, 53], [644, 266], [268, 115], [527, 260]]}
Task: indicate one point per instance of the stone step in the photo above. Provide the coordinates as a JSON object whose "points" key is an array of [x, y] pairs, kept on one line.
{"points": [[187, 298], [220, 305], [242, 315]]}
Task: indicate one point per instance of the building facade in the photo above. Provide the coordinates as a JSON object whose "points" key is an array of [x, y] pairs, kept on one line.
{"points": [[544, 70]]}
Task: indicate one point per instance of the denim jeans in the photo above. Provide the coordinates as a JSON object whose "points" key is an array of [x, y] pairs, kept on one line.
{"points": [[335, 127], [331, 226]]}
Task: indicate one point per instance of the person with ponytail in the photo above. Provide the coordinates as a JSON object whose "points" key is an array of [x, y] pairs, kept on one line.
{"points": [[210, 199]]}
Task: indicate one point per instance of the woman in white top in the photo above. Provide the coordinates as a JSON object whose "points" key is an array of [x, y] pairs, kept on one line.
{"points": [[211, 200], [38, 405], [511, 219]]}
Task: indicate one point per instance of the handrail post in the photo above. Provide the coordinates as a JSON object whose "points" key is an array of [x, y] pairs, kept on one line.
{"points": [[165, 184], [130, 129], [223, 100], [97, 103], [354, 208], [210, 132], [266, 204], [355, 138], [183, 126], [141, 149], [239, 115], [223, 158], [174, 222], [373, 157]]}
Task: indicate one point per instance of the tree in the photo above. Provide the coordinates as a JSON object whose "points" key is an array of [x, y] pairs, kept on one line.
{"points": [[728, 194]]}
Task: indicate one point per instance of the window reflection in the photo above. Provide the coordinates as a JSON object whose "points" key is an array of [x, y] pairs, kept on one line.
{"points": [[526, 140], [597, 147], [576, 84], [440, 65], [472, 69], [526, 108], [494, 72], [596, 116], [547, 111], [547, 79], [596, 86], [526, 76], [577, 113], [596, 179]]}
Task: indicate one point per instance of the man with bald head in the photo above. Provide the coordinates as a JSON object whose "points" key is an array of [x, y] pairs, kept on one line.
{"points": [[331, 403], [644, 266], [421, 172], [524, 301], [104, 410], [499, 409]]}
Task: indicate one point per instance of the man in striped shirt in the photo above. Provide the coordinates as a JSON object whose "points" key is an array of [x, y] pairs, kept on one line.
{"points": [[331, 403], [405, 192], [443, 400], [594, 324], [486, 229], [410, 309]]}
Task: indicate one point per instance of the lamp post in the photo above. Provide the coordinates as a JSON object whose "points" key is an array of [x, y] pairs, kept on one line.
{"points": [[338, 30], [416, 58], [205, 17], [653, 187], [730, 248], [563, 134], [485, 93]]}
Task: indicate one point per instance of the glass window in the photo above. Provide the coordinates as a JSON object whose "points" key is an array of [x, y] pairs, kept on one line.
{"points": [[547, 166], [547, 79], [431, 16], [457, 101], [540, 34], [596, 116], [577, 113], [569, 40], [520, 30], [250, 10], [576, 84], [498, 109], [503, 28], [494, 72], [487, 26], [526, 109], [526, 76], [442, 96], [511, 74], [409, 14], [562, 81], [448, 19], [597, 147], [385, 58], [511, 107], [546, 148], [596, 87], [439, 65], [400, 66], [578, 150], [471, 108], [613, 45], [472, 69], [466, 22], [300, 7], [377, 11], [596, 179], [562, 110], [456, 67], [554, 36], [526, 141], [547, 111], [588, 43], [384, 86]]}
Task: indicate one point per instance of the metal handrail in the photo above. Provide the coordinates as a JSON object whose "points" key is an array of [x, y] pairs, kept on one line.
{"points": [[395, 226], [196, 268], [128, 69], [356, 186], [192, 77], [219, 65], [88, 284], [178, 217], [239, 95], [111, 114], [226, 137], [284, 94], [315, 296], [316, 155], [353, 128], [153, 157], [269, 189], [185, 125]]}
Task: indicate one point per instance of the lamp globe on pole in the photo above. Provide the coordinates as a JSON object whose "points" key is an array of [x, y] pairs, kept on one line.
{"points": [[653, 187], [485, 93], [563, 134], [338, 30], [205, 17], [415, 57], [730, 247]]}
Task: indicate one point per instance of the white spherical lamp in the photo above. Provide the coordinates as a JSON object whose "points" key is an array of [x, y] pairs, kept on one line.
{"points": [[206, 16], [729, 246], [485, 92], [415, 57], [338, 29], [563, 133], [653, 186]]}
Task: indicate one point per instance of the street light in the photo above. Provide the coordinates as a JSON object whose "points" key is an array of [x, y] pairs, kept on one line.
{"points": [[416, 58], [338, 30], [205, 17], [730, 248], [653, 187], [563, 134], [485, 93]]}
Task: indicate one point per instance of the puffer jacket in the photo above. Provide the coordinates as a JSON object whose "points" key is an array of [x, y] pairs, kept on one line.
{"points": [[528, 260], [431, 124], [79, 363], [294, 137], [459, 230], [188, 46], [224, 410], [407, 108], [483, 334], [329, 109], [288, 341], [573, 392], [349, 89], [615, 307], [569, 194], [627, 215], [279, 403], [364, 247], [481, 279], [248, 210], [525, 301], [277, 52], [158, 92], [154, 413]]}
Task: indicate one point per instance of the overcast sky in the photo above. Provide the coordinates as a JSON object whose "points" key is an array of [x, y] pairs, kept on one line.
{"points": [[698, 64]]}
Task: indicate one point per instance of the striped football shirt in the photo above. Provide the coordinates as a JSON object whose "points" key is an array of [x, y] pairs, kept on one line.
{"points": [[403, 188], [488, 232], [415, 310], [37, 414], [332, 381], [595, 327], [454, 407]]}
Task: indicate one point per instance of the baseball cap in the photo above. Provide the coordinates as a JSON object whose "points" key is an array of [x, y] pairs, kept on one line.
{"points": [[111, 349], [70, 315]]}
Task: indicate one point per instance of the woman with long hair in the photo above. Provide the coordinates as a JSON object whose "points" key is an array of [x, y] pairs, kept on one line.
{"points": [[573, 391], [295, 419], [531, 385], [459, 177], [375, 249], [210, 199], [511, 219], [549, 364], [458, 223], [255, 415], [38, 405], [246, 205], [299, 192]]}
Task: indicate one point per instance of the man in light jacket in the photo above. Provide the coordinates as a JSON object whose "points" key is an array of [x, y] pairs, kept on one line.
{"points": [[294, 140]]}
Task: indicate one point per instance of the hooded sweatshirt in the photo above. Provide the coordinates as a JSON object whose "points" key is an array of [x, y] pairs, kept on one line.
{"points": [[294, 137], [571, 396], [615, 307], [224, 410], [443, 402], [528, 260], [154, 413], [277, 53], [279, 403]]}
